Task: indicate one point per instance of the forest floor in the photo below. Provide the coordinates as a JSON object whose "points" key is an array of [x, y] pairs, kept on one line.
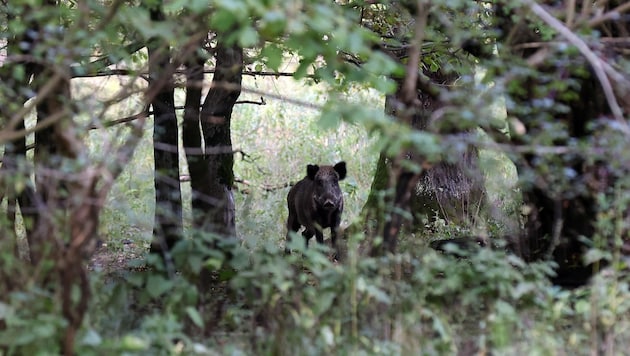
{"points": [[110, 257]]}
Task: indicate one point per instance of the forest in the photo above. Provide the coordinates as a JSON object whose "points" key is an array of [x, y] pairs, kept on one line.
{"points": [[166, 163]]}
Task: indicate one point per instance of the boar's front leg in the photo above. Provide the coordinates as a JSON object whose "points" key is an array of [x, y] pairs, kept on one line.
{"points": [[308, 233], [319, 235]]}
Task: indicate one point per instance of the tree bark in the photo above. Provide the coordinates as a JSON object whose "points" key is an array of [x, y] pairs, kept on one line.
{"points": [[15, 152], [212, 174], [454, 192], [167, 228], [464, 195], [561, 214]]}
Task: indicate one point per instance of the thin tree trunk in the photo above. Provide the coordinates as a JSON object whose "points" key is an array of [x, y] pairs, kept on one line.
{"points": [[167, 228], [15, 152], [373, 210], [212, 176], [192, 137], [56, 144]]}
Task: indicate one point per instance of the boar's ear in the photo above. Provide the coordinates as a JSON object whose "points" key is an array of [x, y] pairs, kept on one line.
{"points": [[311, 170], [340, 168]]}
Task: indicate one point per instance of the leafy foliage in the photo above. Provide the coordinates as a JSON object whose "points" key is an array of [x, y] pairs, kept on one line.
{"points": [[245, 297]]}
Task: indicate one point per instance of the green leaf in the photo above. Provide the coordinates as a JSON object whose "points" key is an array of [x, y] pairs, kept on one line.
{"points": [[248, 37], [329, 119], [222, 20], [273, 24], [195, 262], [18, 73], [273, 56], [5, 311], [133, 343], [198, 5], [324, 301], [194, 315], [327, 335], [158, 285]]}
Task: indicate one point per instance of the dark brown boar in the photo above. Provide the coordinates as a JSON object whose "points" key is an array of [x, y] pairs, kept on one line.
{"points": [[316, 202]]}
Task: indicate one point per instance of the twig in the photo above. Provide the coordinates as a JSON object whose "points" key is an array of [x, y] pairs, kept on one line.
{"points": [[131, 72], [266, 187], [41, 95], [144, 114], [610, 15], [199, 151], [6, 135], [570, 10], [261, 102], [123, 120], [408, 91]]}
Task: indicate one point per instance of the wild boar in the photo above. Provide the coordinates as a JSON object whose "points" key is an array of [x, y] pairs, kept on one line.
{"points": [[316, 202]]}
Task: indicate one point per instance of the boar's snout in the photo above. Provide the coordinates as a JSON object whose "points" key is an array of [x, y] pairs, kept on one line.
{"points": [[330, 205]]}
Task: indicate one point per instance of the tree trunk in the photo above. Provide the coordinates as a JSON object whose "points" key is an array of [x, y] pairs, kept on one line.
{"points": [[69, 191], [451, 191], [454, 192], [192, 136], [373, 210], [212, 174], [167, 228], [562, 209], [15, 152]]}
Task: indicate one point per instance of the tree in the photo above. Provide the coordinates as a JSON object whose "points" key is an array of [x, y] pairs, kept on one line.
{"points": [[61, 209], [568, 139], [206, 135], [212, 177], [564, 195], [560, 193], [15, 151], [167, 228], [449, 187]]}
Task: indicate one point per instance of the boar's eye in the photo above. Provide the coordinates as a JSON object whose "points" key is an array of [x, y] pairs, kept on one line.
{"points": [[319, 182]]}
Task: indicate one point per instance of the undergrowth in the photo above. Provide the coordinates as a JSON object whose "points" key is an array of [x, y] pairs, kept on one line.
{"points": [[256, 300]]}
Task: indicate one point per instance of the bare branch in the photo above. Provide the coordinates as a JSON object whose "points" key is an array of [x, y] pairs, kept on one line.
{"points": [[591, 57], [261, 102], [264, 187], [46, 90], [610, 15], [570, 11], [409, 94], [200, 151], [145, 114], [10, 135], [131, 72]]}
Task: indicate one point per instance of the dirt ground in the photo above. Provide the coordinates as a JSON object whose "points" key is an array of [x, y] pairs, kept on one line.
{"points": [[109, 258]]}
